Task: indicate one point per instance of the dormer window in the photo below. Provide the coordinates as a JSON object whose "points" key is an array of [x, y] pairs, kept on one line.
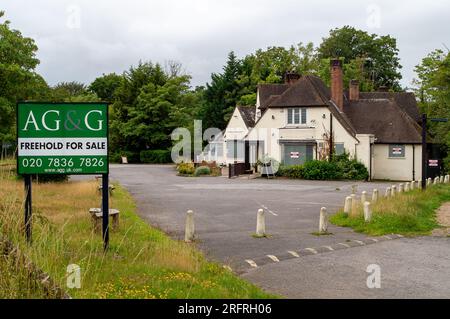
{"points": [[296, 116]]}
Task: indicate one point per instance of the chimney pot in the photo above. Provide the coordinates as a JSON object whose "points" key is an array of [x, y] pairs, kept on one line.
{"points": [[354, 90], [337, 83], [291, 77]]}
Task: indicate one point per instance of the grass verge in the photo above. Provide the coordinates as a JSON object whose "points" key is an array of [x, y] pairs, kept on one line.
{"points": [[143, 262], [410, 214]]}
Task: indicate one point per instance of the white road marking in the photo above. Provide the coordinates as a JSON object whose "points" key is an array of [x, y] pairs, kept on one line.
{"points": [[400, 236], [374, 240], [312, 250], [345, 245], [274, 258], [329, 248], [387, 237], [359, 242], [266, 208], [251, 263], [293, 253]]}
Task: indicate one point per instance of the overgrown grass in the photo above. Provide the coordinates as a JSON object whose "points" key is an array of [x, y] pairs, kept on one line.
{"points": [[142, 261], [412, 213]]}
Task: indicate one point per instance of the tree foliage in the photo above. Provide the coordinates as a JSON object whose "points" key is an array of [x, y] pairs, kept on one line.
{"points": [[433, 90], [148, 104], [377, 56], [18, 79]]}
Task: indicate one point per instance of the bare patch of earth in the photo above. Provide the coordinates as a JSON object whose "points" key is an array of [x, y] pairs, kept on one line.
{"points": [[443, 218]]}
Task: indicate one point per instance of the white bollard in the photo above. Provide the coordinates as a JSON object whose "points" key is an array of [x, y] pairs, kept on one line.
{"points": [[354, 211], [323, 221], [363, 197], [401, 187], [428, 181], [407, 187], [387, 194], [375, 195], [189, 232], [260, 223], [393, 190], [436, 180], [367, 212], [348, 205], [441, 180], [419, 184], [413, 185], [447, 179]]}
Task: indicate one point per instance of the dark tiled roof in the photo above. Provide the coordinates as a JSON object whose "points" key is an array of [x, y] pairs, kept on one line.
{"points": [[406, 100], [248, 115], [302, 93], [383, 118], [267, 90], [391, 117]]}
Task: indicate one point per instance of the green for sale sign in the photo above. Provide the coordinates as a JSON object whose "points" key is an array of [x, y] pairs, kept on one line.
{"points": [[62, 138]]}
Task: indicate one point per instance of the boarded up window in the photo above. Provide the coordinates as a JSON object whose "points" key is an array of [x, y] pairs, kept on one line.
{"points": [[397, 151]]}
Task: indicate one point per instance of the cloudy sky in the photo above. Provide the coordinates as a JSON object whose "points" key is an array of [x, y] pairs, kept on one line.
{"points": [[81, 39]]}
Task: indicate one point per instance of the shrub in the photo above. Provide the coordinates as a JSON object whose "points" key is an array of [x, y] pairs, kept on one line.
{"points": [[294, 171], [341, 167], [156, 156], [320, 170], [186, 168], [132, 157], [202, 170], [350, 168]]}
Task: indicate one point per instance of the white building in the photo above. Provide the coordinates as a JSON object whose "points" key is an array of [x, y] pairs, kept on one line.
{"points": [[294, 122]]}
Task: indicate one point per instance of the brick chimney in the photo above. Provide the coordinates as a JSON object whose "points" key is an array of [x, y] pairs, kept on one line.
{"points": [[354, 90], [337, 83], [291, 77]]}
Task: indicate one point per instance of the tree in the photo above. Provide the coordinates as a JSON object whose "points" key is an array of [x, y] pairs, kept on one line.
{"points": [[18, 79], [433, 90], [379, 54], [106, 86], [67, 90], [222, 94], [238, 82]]}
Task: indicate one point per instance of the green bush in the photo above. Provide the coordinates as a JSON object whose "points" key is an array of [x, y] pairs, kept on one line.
{"points": [[350, 168], [186, 168], [156, 156], [202, 170], [132, 157], [320, 170], [294, 171], [341, 167]]}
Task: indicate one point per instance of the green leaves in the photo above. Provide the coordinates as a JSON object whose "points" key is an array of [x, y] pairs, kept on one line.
{"points": [[378, 54], [18, 80], [433, 89]]}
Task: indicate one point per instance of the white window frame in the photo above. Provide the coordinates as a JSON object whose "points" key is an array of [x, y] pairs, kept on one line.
{"points": [[294, 115]]}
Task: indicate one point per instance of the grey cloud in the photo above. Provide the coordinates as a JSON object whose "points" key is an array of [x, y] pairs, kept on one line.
{"points": [[199, 33]]}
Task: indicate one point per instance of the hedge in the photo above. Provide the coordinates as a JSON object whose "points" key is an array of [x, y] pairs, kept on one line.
{"points": [[156, 156], [341, 167]]}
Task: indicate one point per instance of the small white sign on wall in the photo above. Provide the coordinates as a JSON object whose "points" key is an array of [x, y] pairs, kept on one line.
{"points": [[295, 154]]}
